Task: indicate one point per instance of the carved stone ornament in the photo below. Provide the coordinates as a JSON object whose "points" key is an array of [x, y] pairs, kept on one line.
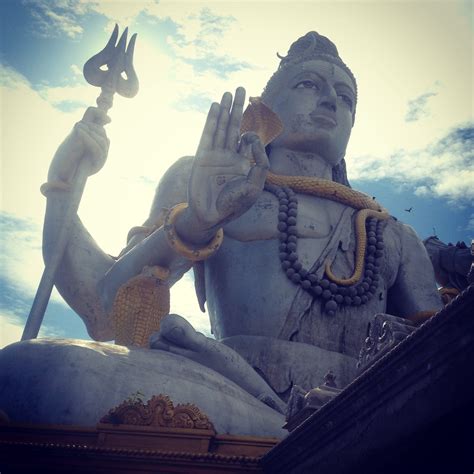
{"points": [[385, 332], [158, 411], [302, 404]]}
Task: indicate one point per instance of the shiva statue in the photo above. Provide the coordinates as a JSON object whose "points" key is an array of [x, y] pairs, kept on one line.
{"points": [[292, 262]]}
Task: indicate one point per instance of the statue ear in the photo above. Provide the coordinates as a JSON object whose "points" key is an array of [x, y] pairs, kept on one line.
{"points": [[261, 119]]}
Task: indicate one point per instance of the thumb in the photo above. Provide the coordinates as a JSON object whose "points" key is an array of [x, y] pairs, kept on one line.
{"points": [[245, 144]]}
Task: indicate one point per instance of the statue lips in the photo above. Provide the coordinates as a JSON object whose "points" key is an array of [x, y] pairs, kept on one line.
{"points": [[326, 119]]}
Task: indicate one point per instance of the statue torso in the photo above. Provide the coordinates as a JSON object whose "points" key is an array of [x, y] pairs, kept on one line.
{"points": [[249, 294]]}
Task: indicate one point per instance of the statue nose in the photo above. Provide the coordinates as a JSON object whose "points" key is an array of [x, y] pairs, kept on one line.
{"points": [[328, 98]]}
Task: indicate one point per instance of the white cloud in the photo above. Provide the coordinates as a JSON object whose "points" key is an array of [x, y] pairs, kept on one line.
{"points": [[76, 70], [443, 168], [30, 133], [418, 107], [21, 258], [11, 329], [470, 224], [121, 12], [422, 191], [56, 17], [80, 93]]}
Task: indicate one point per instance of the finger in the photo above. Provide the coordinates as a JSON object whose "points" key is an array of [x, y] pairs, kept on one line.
{"points": [[103, 143], [89, 145], [221, 130], [176, 329], [97, 131], [245, 145], [96, 115], [207, 137], [159, 342], [94, 133], [233, 133], [258, 173], [96, 148]]}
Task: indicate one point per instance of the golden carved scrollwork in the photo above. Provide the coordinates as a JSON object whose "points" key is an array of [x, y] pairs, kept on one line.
{"points": [[158, 411]]}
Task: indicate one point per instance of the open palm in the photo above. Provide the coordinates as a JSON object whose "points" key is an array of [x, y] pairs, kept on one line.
{"points": [[229, 171]]}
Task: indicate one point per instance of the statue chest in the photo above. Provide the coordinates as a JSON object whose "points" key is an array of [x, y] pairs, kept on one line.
{"points": [[248, 292], [316, 219]]}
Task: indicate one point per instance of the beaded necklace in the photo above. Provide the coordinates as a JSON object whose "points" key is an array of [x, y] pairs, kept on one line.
{"points": [[333, 295]]}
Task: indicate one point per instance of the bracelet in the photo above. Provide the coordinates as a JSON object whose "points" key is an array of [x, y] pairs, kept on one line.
{"points": [[54, 186], [179, 246]]}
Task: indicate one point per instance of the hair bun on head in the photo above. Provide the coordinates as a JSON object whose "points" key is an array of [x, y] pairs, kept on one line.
{"points": [[310, 46]]}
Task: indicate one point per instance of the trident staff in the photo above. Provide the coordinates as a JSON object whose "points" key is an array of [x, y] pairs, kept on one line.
{"points": [[118, 58]]}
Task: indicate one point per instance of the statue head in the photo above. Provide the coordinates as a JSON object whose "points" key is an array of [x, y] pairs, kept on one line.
{"points": [[315, 94]]}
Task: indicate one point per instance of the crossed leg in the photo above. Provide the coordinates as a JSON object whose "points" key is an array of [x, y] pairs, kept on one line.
{"points": [[176, 335]]}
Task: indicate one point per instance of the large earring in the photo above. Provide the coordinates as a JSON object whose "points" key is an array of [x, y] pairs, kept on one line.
{"points": [[259, 118]]}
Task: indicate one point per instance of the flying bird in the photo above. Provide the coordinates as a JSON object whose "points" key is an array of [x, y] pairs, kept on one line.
{"points": [[409, 209]]}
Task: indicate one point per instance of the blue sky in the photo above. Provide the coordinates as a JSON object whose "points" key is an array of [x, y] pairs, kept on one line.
{"points": [[412, 144]]}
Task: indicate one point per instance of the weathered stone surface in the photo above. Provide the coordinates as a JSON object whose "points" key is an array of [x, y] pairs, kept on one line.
{"points": [[278, 325], [67, 381]]}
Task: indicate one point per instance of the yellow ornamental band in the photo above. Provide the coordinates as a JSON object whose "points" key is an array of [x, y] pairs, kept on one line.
{"points": [[193, 254]]}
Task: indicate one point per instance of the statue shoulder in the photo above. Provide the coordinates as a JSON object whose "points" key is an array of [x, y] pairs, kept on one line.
{"points": [[404, 245], [404, 233], [173, 186]]}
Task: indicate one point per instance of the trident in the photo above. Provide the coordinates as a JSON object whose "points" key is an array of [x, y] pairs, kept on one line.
{"points": [[118, 59]]}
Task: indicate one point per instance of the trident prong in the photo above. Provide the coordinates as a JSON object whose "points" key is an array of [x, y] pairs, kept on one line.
{"points": [[118, 58]]}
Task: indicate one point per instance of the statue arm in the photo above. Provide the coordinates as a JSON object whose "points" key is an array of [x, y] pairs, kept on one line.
{"points": [[82, 266], [88, 278], [414, 289], [83, 262], [154, 249], [219, 184]]}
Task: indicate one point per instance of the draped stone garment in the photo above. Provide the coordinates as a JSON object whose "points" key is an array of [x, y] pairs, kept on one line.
{"points": [[310, 342], [305, 351]]}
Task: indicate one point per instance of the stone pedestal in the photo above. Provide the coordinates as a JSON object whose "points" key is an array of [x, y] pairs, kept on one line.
{"points": [[411, 411]]}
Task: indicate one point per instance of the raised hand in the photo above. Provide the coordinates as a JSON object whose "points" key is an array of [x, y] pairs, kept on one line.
{"points": [[87, 140], [229, 171]]}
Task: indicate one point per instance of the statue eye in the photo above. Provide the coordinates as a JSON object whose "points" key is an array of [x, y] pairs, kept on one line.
{"points": [[346, 99], [307, 85]]}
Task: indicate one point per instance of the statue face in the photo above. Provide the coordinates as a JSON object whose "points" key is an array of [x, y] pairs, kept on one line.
{"points": [[316, 104]]}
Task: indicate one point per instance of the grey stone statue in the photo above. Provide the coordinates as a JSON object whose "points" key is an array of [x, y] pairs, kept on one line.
{"points": [[277, 317], [452, 263]]}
